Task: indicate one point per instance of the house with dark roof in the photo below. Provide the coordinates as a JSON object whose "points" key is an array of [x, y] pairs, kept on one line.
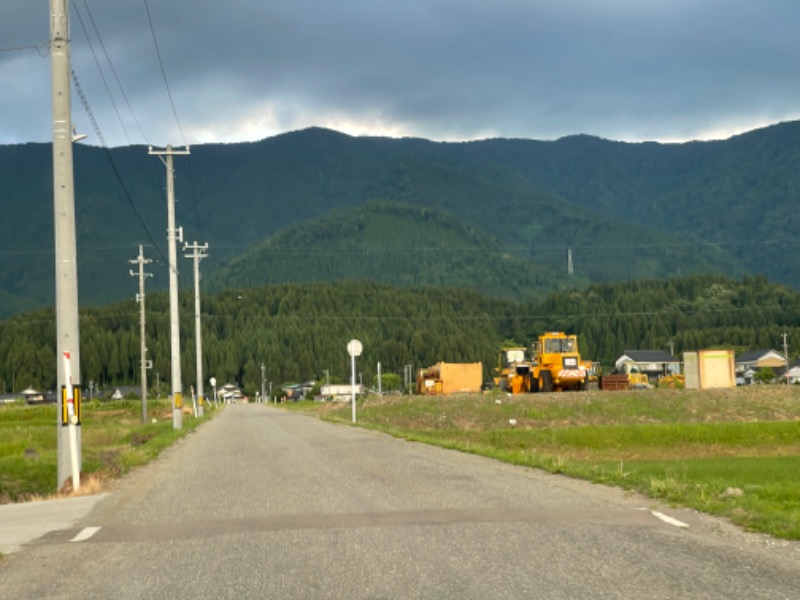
{"points": [[792, 374], [654, 363], [751, 362]]}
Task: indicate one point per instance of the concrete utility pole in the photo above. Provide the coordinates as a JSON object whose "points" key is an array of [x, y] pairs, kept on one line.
{"points": [[570, 269], [263, 383], [144, 364], [173, 235], [66, 272], [786, 348], [197, 254]]}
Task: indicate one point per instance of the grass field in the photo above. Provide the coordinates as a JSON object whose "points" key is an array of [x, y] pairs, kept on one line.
{"points": [[733, 453], [113, 440]]}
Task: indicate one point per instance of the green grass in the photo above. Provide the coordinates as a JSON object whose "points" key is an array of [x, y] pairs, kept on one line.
{"points": [[113, 441], [733, 453]]}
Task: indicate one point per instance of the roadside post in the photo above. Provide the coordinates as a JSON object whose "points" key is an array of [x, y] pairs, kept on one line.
{"points": [[213, 382], [354, 348]]}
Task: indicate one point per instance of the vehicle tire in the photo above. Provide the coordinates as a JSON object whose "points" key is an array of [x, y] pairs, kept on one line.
{"points": [[545, 381], [533, 383]]}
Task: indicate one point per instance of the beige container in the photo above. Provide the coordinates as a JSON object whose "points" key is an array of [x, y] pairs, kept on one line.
{"points": [[451, 378], [706, 369]]}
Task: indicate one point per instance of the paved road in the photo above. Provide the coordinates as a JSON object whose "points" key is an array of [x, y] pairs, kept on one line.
{"points": [[261, 503]]}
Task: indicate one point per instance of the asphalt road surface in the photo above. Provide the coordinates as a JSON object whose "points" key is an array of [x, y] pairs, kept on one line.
{"points": [[261, 503]]}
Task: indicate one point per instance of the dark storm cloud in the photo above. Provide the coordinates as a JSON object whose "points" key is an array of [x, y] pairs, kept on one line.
{"points": [[442, 69]]}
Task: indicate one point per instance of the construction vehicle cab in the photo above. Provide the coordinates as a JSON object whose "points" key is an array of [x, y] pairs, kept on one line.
{"points": [[513, 370], [636, 379], [557, 363]]}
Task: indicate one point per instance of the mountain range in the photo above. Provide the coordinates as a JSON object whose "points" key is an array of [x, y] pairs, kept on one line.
{"points": [[508, 217]]}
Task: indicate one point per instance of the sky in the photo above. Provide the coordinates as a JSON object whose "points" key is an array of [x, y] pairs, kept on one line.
{"points": [[445, 70]]}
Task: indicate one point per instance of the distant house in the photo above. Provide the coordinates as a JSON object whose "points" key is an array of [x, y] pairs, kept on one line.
{"points": [[792, 374], [751, 362], [340, 391], [230, 394], [31, 396], [298, 391], [654, 363]]}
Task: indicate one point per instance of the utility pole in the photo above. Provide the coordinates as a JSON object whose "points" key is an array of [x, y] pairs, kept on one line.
{"points": [[173, 235], [198, 253], [786, 348], [263, 383], [66, 268], [144, 364]]}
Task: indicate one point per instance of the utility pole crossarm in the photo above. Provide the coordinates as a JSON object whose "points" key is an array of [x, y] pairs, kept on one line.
{"points": [[170, 151]]}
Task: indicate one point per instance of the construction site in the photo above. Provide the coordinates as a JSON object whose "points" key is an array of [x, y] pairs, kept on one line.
{"points": [[553, 363]]}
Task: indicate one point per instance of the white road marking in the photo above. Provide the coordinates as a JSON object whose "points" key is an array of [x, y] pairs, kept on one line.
{"points": [[85, 534], [667, 519]]}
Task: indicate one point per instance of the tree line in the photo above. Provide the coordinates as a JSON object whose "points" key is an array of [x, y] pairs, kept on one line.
{"points": [[298, 332]]}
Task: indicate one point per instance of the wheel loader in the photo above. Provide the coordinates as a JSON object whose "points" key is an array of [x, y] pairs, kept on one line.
{"points": [[557, 364]]}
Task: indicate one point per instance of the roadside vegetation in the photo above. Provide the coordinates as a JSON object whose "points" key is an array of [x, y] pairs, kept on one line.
{"points": [[733, 453], [113, 440]]}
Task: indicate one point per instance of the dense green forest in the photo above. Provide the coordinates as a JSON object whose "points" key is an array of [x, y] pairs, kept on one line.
{"points": [[398, 244], [625, 211], [300, 330]]}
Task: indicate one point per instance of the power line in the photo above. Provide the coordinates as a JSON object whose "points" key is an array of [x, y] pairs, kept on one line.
{"points": [[42, 49], [113, 164], [172, 104], [164, 72], [114, 72], [99, 68]]}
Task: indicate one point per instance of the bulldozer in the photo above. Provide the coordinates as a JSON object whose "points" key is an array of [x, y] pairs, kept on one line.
{"points": [[557, 364]]}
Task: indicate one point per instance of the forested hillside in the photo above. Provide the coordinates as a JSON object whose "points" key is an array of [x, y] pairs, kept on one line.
{"points": [[625, 211], [299, 331], [393, 243]]}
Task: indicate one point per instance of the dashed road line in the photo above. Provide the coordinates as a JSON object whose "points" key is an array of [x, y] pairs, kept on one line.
{"points": [[666, 518], [85, 534]]}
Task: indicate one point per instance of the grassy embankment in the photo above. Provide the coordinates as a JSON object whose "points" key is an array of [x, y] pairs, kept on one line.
{"points": [[113, 440], [733, 453]]}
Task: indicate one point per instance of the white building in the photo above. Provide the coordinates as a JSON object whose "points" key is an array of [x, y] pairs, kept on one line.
{"points": [[342, 392]]}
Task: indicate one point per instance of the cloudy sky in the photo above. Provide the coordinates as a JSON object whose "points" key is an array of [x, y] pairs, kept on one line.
{"points": [[242, 70]]}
